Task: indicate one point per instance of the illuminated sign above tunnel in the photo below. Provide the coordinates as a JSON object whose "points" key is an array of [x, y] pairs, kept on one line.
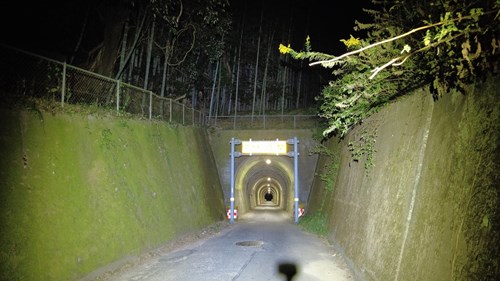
{"points": [[276, 147]]}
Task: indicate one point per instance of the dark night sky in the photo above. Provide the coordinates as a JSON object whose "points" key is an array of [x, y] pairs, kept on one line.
{"points": [[335, 21], [326, 21], [47, 27], [43, 26]]}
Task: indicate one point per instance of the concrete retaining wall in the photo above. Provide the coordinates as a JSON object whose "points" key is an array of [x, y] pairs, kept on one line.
{"points": [[82, 191], [423, 203]]}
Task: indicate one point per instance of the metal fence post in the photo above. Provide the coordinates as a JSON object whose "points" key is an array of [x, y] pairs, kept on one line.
{"points": [[170, 110], [296, 175], [183, 117], [150, 104], [63, 86], [118, 96]]}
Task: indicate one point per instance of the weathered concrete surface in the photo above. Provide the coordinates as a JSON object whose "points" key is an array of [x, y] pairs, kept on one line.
{"points": [[428, 208], [81, 191]]}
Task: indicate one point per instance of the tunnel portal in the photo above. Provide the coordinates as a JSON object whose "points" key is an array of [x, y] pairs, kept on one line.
{"points": [[261, 180], [264, 181]]}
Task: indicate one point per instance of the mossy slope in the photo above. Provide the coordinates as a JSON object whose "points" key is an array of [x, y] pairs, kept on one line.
{"points": [[80, 192]]}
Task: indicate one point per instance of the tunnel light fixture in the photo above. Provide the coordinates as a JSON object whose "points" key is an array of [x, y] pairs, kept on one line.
{"points": [[268, 161], [268, 179]]}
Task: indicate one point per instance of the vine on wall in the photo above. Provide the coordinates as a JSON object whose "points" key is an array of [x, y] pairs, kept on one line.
{"points": [[363, 149]]}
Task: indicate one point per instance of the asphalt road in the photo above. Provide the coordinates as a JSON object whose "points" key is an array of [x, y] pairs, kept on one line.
{"points": [[253, 248]]}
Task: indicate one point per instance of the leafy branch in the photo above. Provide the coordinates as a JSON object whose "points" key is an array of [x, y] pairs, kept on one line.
{"points": [[363, 149], [455, 50], [399, 60]]}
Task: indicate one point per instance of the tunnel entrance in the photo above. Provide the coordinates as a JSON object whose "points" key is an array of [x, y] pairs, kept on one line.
{"points": [[265, 181]]}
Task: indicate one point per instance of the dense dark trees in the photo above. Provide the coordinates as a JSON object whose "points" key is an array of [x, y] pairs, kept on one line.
{"points": [[218, 54]]}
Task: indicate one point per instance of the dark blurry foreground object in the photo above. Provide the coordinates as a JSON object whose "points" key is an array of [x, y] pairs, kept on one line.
{"points": [[288, 269]]}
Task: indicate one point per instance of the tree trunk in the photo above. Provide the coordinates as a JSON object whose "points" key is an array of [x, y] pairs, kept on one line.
{"points": [[257, 63], [148, 54], [165, 70], [299, 84], [84, 26], [233, 78], [113, 18], [130, 69], [213, 90], [123, 50], [217, 99], [138, 32], [285, 74], [263, 98], [238, 68]]}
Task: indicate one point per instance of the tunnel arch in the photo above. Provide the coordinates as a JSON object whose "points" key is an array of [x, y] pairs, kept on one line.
{"points": [[268, 195], [254, 176], [265, 186]]}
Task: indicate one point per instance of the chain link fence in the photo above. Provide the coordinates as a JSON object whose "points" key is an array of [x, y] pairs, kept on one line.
{"points": [[24, 74]]}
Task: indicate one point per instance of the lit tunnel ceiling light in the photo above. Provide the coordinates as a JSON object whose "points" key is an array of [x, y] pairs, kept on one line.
{"points": [[268, 161], [268, 179]]}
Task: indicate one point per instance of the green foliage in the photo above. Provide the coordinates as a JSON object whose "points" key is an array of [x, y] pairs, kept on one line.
{"points": [[363, 149], [206, 22], [315, 223], [329, 171], [304, 55], [125, 102], [54, 77], [106, 141], [193, 35], [452, 44]]}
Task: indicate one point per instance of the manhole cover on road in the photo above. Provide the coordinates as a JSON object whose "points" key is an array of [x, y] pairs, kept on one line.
{"points": [[250, 243]]}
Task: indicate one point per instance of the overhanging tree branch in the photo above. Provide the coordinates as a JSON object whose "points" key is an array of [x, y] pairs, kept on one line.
{"points": [[402, 59], [388, 40]]}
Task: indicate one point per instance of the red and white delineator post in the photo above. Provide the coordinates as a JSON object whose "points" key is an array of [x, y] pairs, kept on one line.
{"points": [[235, 214], [301, 212]]}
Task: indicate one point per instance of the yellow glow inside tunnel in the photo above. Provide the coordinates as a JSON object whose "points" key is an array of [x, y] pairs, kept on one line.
{"points": [[252, 176]]}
